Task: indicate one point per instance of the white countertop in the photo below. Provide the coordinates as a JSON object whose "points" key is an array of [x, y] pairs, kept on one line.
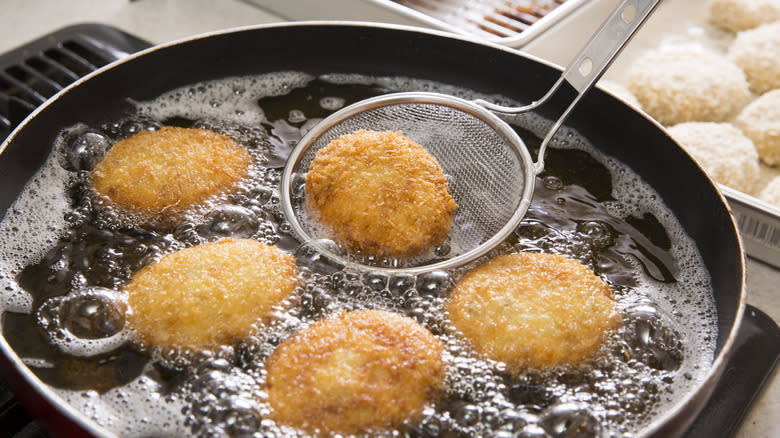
{"points": [[160, 21]]}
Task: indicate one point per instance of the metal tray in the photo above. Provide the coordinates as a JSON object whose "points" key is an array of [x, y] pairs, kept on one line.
{"points": [[510, 22]]}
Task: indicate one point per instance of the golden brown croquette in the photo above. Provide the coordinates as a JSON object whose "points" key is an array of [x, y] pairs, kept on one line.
{"points": [[532, 310], [380, 193], [169, 170], [209, 294], [356, 372]]}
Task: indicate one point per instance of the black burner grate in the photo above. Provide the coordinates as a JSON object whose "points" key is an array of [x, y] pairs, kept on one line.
{"points": [[31, 74]]}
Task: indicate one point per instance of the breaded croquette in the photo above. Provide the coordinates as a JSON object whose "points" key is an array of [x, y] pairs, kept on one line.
{"points": [[169, 170], [532, 310], [688, 84], [209, 294], [757, 53], [760, 121], [739, 15], [380, 193], [728, 156], [356, 372]]}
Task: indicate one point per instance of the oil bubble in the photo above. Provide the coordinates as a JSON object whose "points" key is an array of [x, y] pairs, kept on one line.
{"points": [[570, 420], [516, 420], [374, 280], [86, 322], [94, 315], [230, 220], [598, 233], [311, 256], [401, 283], [552, 183], [296, 116], [435, 283], [131, 127], [297, 185], [83, 151], [467, 414], [332, 103], [532, 431], [652, 339]]}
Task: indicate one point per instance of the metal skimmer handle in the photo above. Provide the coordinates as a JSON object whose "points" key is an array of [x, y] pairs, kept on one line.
{"points": [[589, 64]]}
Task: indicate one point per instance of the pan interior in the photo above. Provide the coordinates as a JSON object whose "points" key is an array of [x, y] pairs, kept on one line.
{"points": [[586, 205]]}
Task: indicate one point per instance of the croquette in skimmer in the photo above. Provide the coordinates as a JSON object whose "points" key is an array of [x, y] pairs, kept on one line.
{"points": [[380, 193]]}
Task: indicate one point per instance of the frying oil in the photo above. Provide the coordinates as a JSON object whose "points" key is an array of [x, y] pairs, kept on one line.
{"points": [[66, 255]]}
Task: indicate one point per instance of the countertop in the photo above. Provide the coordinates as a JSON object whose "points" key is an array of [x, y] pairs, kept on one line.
{"points": [[160, 21]]}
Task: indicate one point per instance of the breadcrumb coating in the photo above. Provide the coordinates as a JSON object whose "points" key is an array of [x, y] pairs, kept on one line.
{"points": [[760, 121], [210, 294], [688, 84], [533, 310], [771, 193], [380, 193], [722, 150], [757, 53], [169, 170], [738, 15], [355, 372]]}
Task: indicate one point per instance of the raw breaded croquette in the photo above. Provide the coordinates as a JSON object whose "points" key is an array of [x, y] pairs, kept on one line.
{"points": [[738, 15], [209, 294], [356, 372], [760, 121], [722, 150], [533, 310], [688, 84], [169, 170], [619, 91], [757, 53], [380, 193], [771, 193]]}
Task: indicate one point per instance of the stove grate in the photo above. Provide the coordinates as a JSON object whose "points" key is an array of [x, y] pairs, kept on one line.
{"points": [[31, 74]]}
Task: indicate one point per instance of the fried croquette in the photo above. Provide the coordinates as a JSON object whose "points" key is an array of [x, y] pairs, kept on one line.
{"points": [[688, 84], [380, 193], [209, 294], [169, 170], [356, 372], [533, 311]]}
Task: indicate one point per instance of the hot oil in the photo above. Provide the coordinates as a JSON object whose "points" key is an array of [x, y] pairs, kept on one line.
{"points": [[64, 316]]}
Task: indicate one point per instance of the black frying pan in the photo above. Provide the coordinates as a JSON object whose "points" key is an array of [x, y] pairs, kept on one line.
{"points": [[319, 48]]}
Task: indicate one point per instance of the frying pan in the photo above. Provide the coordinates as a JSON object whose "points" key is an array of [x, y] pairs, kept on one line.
{"points": [[385, 50]]}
